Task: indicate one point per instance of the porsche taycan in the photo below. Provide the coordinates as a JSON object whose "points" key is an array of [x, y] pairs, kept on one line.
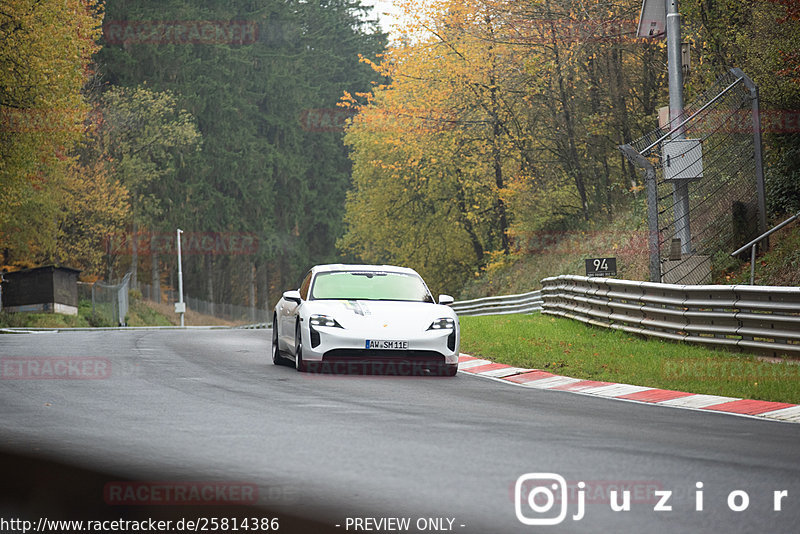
{"points": [[378, 316]]}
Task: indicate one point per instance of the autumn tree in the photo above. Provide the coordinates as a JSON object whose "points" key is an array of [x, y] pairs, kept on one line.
{"points": [[45, 52], [143, 135], [94, 205], [529, 101], [763, 39]]}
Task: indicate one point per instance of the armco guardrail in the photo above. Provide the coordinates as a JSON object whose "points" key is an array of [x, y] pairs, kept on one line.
{"points": [[523, 303], [761, 319], [254, 326]]}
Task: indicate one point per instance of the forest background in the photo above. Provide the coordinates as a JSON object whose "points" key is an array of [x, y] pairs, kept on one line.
{"points": [[281, 134]]}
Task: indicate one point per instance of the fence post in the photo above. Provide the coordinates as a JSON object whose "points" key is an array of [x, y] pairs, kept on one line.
{"points": [[652, 208], [762, 203]]}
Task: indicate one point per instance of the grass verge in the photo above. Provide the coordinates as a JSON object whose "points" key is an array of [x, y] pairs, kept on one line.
{"points": [[570, 348], [140, 313], [42, 320]]}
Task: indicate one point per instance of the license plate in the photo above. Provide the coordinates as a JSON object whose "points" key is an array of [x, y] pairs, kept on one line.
{"points": [[385, 344]]}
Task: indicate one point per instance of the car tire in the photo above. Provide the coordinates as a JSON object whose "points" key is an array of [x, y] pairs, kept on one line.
{"points": [[277, 359], [450, 369], [299, 364]]}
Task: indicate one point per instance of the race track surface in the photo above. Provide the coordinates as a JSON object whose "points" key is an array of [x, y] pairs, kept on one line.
{"points": [[185, 407]]}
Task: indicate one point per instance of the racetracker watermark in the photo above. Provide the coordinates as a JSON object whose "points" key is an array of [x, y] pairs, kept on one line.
{"points": [[192, 243], [543, 498], [775, 121], [389, 367], [179, 493], [728, 371], [37, 120], [60, 368], [214, 32], [574, 241], [565, 30]]}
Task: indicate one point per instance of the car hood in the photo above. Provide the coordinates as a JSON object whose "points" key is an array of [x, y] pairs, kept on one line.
{"points": [[387, 316]]}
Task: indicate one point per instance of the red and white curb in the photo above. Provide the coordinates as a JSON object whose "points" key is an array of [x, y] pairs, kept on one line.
{"points": [[534, 378]]}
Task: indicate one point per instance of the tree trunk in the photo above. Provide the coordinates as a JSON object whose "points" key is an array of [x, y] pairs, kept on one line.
{"points": [[623, 124], [265, 293], [461, 202], [573, 163], [134, 256], [497, 159]]}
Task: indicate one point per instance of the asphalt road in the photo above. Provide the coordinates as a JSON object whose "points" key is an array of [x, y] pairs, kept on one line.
{"points": [[177, 407]]}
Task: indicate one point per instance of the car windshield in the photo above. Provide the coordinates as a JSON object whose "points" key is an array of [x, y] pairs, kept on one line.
{"points": [[369, 285]]}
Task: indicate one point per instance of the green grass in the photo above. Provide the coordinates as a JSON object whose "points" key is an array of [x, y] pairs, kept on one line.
{"points": [[570, 348], [780, 266], [553, 252], [42, 320], [139, 314]]}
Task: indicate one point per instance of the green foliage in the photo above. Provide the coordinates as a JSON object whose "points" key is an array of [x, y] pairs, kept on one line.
{"points": [[779, 266], [763, 39], [783, 176], [262, 170], [144, 133], [92, 319], [139, 314], [43, 320]]}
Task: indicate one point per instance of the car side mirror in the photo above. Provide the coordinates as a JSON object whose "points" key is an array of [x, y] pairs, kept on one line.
{"points": [[292, 296], [446, 300]]}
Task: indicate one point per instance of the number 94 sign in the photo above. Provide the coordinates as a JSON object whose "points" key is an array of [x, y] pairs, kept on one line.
{"points": [[601, 267]]}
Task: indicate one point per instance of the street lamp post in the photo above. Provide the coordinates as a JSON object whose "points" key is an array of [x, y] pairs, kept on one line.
{"points": [[680, 188], [180, 306]]}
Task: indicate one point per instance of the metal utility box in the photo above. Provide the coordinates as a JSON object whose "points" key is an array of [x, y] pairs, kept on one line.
{"points": [[682, 159], [47, 289]]}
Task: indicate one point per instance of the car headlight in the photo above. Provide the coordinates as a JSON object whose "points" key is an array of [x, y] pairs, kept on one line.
{"points": [[324, 320], [442, 324]]}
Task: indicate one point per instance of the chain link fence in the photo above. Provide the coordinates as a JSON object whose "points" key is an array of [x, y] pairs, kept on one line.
{"points": [[705, 182], [109, 301], [221, 310]]}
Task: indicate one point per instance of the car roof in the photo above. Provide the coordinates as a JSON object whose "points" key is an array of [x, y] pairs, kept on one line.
{"points": [[332, 267]]}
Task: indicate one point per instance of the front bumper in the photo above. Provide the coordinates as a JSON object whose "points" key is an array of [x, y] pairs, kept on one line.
{"points": [[331, 344]]}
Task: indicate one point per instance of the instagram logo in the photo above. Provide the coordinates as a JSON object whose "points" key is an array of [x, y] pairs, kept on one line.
{"points": [[546, 497]]}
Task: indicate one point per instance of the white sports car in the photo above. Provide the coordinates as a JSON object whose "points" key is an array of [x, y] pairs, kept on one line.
{"points": [[378, 316]]}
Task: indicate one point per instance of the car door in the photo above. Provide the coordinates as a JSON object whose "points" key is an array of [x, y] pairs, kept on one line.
{"points": [[289, 313]]}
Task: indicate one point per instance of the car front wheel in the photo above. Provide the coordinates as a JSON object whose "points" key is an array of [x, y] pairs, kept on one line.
{"points": [[449, 369], [277, 359], [299, 364]]}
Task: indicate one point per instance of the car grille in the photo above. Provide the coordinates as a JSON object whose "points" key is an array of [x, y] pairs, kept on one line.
{"points": [[414, 356], [381, 362]]}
